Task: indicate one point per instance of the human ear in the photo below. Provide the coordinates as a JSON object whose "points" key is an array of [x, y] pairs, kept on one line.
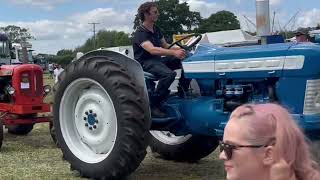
{"points": [[268, 158]]}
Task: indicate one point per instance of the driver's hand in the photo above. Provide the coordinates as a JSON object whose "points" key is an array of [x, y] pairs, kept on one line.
{"points": [[180, 53]]}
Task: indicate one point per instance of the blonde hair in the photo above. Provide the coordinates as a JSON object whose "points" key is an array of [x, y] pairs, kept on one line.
{"points": [[273, 122]]}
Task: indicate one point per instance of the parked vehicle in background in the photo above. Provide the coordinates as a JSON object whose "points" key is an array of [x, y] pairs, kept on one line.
{"points": [[21, 94]]}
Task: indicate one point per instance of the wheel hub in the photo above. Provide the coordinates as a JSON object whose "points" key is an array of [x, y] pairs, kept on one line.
{"points": [[88, 120], [91, 121]]}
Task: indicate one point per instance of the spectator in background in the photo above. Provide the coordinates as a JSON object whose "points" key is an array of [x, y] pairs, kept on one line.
{"points": [[57, 72], [264, 142], [50, 68], [302, 36]]}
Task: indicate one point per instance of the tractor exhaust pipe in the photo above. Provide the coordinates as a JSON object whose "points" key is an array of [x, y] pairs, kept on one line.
{"points": [[263, 17]]}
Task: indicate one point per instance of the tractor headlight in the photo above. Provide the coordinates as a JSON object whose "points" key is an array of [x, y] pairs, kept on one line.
{"points": [[11, 90], [47, 89]]}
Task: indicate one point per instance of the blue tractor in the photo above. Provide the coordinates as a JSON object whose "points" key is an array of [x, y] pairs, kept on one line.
{"points": [[102, 114]]}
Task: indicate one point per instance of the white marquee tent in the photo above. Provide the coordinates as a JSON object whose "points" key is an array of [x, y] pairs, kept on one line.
{"points": [[229, 38]]}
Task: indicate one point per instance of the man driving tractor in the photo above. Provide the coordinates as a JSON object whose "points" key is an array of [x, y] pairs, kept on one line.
{"points": [[151, 51]]}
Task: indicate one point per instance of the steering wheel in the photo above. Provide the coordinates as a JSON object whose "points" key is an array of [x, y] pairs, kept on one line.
{"points": [[189, 46]]}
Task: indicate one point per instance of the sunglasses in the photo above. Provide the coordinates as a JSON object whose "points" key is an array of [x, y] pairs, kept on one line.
{"points": [[228, 148]]}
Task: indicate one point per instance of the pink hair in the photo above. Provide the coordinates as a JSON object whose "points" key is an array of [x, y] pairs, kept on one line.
{"points": [[272, 122]]}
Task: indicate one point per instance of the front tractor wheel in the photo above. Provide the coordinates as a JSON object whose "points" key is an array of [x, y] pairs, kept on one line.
{"points": [[101, 120], [189, 148], [21, 129]]}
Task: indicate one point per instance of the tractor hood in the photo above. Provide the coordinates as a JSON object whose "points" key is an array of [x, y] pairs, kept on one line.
{"points": [[290, 59], [8, 70]]}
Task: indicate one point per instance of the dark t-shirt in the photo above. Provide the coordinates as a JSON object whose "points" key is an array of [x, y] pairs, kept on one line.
{"points": [[141, 35]]}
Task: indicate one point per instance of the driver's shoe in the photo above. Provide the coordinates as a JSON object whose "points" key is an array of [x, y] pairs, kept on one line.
{"points": [[157, 113]]}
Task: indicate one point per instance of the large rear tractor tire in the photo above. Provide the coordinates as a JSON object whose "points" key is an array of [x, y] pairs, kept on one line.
{"points": [[189, 148], [53, 133], [102, 118]]}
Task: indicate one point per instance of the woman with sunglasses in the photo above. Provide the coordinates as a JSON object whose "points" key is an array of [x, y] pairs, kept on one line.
{"points": [[263, 142]]}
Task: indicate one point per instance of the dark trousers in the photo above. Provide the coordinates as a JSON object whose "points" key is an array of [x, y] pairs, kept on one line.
{"points": [[163, 69]]}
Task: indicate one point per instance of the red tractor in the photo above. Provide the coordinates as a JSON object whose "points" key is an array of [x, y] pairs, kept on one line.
{"points": [[21, 94]]}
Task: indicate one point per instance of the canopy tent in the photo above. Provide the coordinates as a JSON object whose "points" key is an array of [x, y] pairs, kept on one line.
{"points": [[229, 38], [314, 32]]}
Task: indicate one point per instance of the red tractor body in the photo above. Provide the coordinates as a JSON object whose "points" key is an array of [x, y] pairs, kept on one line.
{"points": [[21, 97], [21, 93], [27, 81]]}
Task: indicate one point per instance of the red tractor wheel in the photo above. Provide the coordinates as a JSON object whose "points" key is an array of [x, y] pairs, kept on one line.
{"points": [[21, 129]]}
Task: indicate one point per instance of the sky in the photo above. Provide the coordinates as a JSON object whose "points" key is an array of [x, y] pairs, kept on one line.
{"points": [[64, 24]]}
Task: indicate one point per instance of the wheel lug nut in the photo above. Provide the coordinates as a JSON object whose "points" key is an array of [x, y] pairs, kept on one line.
{"points": [[95, 115], [86, 113], [94, 126], [90, 128], [86, 124], [90, 111], [84, 118], [96, 121]]}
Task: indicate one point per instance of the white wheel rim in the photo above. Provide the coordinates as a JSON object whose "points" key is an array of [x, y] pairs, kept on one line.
{"points": [[168, 138], [88, 120]]}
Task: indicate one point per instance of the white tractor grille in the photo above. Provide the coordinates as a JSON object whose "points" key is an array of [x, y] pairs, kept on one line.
{"points": [[312, 98]]}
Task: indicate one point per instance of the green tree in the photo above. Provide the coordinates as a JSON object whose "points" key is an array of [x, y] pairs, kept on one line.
{"points": [[17, 34], [122, 39], [174, 18], [64, 52], [106, 39], [220, 21], [63, 57]]}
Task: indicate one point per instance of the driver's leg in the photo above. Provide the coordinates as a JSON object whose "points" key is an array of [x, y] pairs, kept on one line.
{"points": [[165, 74], [173, 64]]}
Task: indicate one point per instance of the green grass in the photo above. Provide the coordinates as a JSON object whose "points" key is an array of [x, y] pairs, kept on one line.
{"points": [[36, 157], [32, 157]]}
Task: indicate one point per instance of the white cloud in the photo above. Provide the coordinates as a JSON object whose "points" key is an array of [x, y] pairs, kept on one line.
{"points": [[275, 2], [45, 4], [309, 18], [205, 8], [272, 2], [108, 19], [245, 23], [52, 36]]}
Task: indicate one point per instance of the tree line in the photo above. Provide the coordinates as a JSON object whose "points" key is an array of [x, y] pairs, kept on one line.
{"points": [[175, 18]]}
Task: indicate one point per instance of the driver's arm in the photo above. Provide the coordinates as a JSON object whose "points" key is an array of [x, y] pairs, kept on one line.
{"points": [[148, 46], [166, 45]]}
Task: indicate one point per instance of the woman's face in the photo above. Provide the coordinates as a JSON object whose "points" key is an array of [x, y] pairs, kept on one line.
{"points": [[246, 163]]}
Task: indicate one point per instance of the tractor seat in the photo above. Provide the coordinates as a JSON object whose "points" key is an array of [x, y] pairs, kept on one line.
{"points": [[150, 76]]}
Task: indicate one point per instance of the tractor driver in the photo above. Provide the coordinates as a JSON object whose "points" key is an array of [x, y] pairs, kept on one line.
{"points": [[149, 47]]}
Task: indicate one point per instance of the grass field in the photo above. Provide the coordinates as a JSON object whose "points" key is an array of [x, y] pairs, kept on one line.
{"points": [[36, 157]]}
